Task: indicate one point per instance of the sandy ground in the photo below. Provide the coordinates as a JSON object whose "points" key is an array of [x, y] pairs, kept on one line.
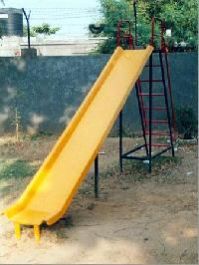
{"points": [[138, 219]]}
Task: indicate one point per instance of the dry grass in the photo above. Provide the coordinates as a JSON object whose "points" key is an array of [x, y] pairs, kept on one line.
{"points": [[139, 218]]}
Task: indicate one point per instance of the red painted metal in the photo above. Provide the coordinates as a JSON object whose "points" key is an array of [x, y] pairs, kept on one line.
{"points": [[157, 121], [158, 133], [153, 94], [144, 114], [127, 35], [162, 33], [156, 108], [164, 49], [128, 38], [154, 81], [154, 65], [160, 145]]}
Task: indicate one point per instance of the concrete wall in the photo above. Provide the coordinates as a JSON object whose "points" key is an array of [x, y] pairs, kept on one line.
{"points": [[10, 46], [46, 91]]}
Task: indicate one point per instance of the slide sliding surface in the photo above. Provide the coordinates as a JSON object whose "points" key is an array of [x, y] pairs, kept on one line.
{"points": [[50, 192]]}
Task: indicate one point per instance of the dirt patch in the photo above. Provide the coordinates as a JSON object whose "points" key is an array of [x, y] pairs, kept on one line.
{"points": [[138, 219]]}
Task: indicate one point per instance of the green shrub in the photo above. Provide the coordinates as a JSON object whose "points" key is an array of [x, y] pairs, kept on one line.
{"points": [[186, 122], [16, 169]]}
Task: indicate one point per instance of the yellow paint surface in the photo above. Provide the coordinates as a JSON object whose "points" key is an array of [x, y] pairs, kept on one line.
{"points": [[49, 194]]}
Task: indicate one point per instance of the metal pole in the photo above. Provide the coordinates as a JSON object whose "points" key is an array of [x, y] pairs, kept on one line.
{"points": [[150, 111], [27, 17], [140, 107], [28, 34], [135, 21], [167, 104], [121, 140], [96, 168], [170, 92]]}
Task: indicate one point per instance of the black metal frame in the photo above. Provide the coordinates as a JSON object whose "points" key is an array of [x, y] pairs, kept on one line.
{"points": [[167, 103], [27, 17], [170, 116], [148, 148], [96, 177]]}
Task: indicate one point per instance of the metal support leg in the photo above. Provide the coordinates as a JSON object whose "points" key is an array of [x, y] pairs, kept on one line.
{"points": [[96, 165], [121, 140], [167, 105], [140, 107], [150, 111]]}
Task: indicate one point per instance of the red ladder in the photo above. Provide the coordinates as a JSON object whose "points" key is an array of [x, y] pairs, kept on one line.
{"points": [[155, 101]]}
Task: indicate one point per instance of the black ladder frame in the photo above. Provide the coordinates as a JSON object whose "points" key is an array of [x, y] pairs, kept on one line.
{"points": [[166, 93], [148, 146]]}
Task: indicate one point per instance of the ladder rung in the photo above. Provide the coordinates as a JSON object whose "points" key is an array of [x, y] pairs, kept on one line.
{"points": [[156, 108], [153, 94], [153, 81], [157, 121], [158, 133], [157, 35], [126, 36], [159, 145], [154, 65]]}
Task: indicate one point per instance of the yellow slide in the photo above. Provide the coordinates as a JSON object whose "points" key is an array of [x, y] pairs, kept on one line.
{"points": [[49, 194]]}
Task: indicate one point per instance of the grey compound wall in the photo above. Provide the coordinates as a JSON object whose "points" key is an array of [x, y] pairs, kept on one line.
{"points": [[46, 91]]}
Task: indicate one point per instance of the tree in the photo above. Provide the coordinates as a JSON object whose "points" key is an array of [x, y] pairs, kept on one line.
{"points": [[44, 29], [25, 32], [182, 18], [113, 11], [180, 15]]}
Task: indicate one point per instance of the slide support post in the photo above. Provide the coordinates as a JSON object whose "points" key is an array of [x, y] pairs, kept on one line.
{"points": [[150, 111], [121, 140], [142, 116], [96, 168], [167, 104]]}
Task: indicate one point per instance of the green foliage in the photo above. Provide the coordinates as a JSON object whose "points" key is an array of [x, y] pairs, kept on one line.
{"points": [[113, 11], [44, 29], [25, 32], [186, 122], [181, 17], [16, 169], [40, 135]]}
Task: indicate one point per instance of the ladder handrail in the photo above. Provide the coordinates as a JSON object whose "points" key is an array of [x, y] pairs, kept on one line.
{"points": [[147, 120], [129, 34], [162, 32], [164, 49]]}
